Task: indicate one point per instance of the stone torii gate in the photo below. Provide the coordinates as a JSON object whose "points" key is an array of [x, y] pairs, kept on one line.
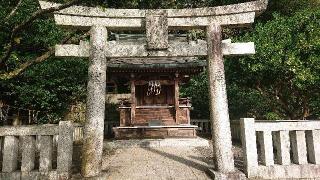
{"points": [[156, 23]]}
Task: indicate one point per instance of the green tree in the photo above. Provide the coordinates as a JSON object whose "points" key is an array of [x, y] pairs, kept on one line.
{"points": [[27, 39], [48, 87], [243, 101], [286, 66], [282, 80]]}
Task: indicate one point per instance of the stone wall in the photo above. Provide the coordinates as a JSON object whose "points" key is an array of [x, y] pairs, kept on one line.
{"points": [[281, 149], [28, 152], [108, 132], [205, 128]]}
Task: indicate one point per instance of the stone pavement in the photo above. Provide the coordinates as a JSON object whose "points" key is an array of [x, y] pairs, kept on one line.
{"points": [[155, 163], [156, 159]]}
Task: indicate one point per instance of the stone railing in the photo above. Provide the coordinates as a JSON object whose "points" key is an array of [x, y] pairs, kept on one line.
{"points": [[205, 127], [108, 125], [77, 133], [108, 132], [295, 143], [28, 152]]}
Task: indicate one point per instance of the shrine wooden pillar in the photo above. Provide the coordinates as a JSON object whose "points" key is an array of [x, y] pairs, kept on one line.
{"points": [[219, 115], [133, 99], [95, 110], [176, 98], [188, 111]]}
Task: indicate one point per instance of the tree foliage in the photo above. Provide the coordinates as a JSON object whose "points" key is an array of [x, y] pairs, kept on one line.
{"points": [[280, 81], [49, 87], [286, 66]]}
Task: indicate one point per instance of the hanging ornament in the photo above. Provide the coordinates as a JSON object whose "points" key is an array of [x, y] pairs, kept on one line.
{"points": [[154, 88]]}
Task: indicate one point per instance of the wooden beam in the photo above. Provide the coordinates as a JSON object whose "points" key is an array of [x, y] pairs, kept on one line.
{"points": [[176, 98], [133, 100], [162, 82], [176, 49], [188, 110]]}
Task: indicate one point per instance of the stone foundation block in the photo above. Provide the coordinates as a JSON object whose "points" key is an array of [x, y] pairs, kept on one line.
{"points": [[28, 153], [45, 161], [10, 154], [237, 175], [65, 147]]}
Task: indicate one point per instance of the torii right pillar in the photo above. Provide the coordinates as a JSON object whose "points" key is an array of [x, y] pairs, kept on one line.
{"points": [[219, 115]]}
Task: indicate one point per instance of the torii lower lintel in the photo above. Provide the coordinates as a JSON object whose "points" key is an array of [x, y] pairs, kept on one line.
{"points": [[175, 49]]}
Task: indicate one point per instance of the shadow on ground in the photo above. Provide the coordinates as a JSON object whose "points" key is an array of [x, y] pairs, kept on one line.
{"points": [[143, 162]]}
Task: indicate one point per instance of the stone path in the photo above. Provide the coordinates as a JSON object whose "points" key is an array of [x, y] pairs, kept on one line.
{"points": [[132, 162], [155, 163]]}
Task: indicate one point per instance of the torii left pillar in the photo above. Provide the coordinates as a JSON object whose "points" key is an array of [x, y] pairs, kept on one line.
{"points": [[95, 111]]}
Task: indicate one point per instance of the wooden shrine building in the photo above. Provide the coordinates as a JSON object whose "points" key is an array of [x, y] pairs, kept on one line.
{"points": [[155, 109]]}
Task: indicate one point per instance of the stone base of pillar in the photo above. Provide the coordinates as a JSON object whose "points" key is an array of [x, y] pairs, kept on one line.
{"points": [[237, 175], [103, 175]]}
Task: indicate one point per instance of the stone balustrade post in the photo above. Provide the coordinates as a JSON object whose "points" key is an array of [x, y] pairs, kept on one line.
{"points": [[299, 148], [282, 143], [249, 146], [266, 145], [10, 154], [65, 148], [28, 148], [46, 147], [313, 145]]}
